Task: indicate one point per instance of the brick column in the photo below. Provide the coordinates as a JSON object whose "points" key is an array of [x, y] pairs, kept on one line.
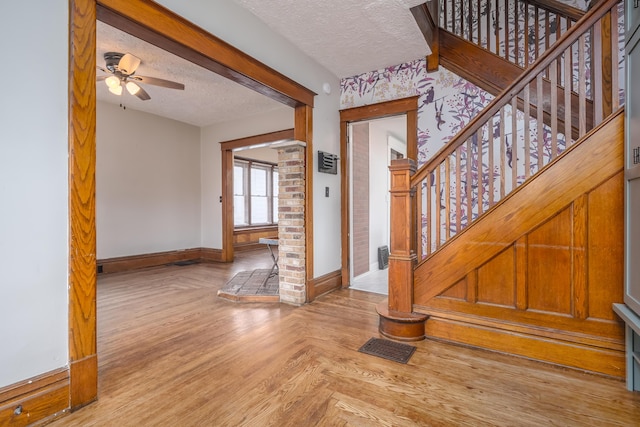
{"points": [[291, 231]]}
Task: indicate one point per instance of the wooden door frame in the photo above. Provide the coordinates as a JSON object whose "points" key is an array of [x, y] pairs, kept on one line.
{"points": [[227, 148], [408, 106], [160, 26]]}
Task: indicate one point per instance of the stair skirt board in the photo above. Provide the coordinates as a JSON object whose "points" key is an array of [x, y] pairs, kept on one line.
{"points": [[602, 357]]}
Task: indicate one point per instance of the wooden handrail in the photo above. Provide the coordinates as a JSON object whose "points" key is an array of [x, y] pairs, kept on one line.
{"points": [[568, 38], [559, 8]]}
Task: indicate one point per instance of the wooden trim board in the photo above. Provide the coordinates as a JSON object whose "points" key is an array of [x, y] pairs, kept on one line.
{"points": [[326, 283], [578, 356], [303, 131], [82, 190], [134, 262], [34, 400]]}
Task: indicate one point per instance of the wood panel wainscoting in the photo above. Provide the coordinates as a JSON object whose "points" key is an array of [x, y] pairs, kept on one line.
{"points": [[246, 239], [537, 276], [134, 262], [35, 400]]}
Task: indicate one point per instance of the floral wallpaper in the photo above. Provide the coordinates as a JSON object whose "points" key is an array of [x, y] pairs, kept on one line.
{"points": [[446, 103]]}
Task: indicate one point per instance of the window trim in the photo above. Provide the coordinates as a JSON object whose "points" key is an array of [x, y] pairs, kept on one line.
{"points": [[247, 165]]}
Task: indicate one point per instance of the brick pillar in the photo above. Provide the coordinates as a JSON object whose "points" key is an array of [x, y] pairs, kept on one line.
{"points": [[291, 231]]}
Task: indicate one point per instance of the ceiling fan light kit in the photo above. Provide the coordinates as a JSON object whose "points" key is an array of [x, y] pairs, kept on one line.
{"points": [[122, 68], [116, 90], [132, 88], [112, 81]]}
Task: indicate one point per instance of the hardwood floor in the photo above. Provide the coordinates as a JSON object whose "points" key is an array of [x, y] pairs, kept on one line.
{"points": [[173, 354]]}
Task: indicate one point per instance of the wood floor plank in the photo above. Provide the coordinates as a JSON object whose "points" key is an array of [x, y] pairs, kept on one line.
{"points": [[170, 352]]}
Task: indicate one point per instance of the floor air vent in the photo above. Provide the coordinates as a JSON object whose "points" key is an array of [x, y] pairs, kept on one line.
{"points": [[387, 349], [383, 257]]}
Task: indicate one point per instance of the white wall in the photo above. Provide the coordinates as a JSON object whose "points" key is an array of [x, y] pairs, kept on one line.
{"points": [[210, 160], [147, 183], [326, 211], [243, 30], [33, 189], [382, 134]]}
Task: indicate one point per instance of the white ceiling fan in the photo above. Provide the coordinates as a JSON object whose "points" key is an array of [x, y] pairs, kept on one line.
{"points": [[121, 70]]}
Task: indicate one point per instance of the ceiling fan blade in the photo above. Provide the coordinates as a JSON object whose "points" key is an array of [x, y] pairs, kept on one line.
{"points": [[104, 70], [159, 82], [142, 94], [128, 64], [101, 78]]}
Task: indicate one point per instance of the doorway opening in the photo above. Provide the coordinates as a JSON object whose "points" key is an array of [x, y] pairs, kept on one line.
{"points": [[251, 171], [260, 146], [373, 144], [161, 27], [404, 107]]}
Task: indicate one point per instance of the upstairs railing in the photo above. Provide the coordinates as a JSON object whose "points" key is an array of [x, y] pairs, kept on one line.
{"points": [[521, 131], [516, 30]]}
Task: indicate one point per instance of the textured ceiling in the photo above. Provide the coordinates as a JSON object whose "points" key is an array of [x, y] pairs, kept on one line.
{"points": [[206, 99], [348, 37]]}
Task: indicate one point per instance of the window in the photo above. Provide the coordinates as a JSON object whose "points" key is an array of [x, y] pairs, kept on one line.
{"points": [[255, 193]]}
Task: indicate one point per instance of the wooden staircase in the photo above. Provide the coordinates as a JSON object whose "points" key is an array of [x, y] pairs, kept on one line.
{"points": [[511, 237]]}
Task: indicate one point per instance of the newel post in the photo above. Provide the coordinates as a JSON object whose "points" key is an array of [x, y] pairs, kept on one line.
{"points": [[402, 256], [397, 320]]}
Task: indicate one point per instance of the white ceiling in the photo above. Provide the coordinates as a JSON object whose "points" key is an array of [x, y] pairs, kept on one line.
{"points": [[348, 37]]}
